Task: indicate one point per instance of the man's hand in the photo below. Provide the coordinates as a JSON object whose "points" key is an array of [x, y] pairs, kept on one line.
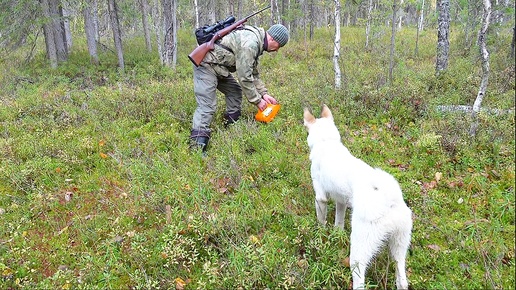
{"points": [[269, 99], [266, 99]]}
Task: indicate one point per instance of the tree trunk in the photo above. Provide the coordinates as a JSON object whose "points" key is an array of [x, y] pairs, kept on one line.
{"points": [[170, 33], [347, 20], [419, 26], [196, 11], [275, 12], [65, 12], [117, 35], [393, 39], [336, 47], [145, 24], [484, 56], [58, 27], [443, 44], [368, 23], [421, 17], [312, 19], [89, 29], [95, 10], [157, 18], [400, 15], [49, 34]]}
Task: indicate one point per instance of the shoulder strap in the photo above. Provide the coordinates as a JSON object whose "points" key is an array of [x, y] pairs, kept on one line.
{"points": [[230, 50], [225, 47]]}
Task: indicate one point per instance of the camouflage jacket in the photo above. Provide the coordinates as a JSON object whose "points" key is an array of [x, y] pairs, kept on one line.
{"points": [[238, 52]]}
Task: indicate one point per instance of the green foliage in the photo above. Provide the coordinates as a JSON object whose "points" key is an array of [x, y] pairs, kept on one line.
{"points": [[98, 189]]}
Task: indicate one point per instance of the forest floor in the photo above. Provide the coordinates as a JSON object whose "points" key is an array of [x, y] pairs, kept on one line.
{"points": [[98, 189]]}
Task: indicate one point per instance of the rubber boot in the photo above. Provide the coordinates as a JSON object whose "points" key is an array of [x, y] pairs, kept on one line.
{"points": [[199, 140], [230, 119], [199, 143]]}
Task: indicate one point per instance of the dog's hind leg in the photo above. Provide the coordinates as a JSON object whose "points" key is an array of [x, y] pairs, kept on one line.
{"points": [[398, 244], [366, 240], [340, 214]]}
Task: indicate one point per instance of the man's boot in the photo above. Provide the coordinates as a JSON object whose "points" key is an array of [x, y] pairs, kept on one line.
{"points": [[231, 118], [199, 140]]}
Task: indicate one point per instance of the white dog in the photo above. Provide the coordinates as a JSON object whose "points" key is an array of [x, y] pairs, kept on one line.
{"points": [[379, 213]]}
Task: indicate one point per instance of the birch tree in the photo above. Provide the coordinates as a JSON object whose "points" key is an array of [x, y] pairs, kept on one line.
{"points": [[196, 11], [275, 12], [336, 46], [65, 24], [157, 20], [484, 56], [368, 22], [90, 31], [400, 15], [443, 43], [170, 33], [49, 34], [421, 16], [419, 26], [144, 6], [57, 24], [117, 34], [393, 39]]}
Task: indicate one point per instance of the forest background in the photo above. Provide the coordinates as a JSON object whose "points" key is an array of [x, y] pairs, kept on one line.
{"points": [[99, 190]]}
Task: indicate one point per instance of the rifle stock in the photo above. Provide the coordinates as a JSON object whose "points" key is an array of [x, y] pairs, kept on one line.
{"points": [[198, 54]]}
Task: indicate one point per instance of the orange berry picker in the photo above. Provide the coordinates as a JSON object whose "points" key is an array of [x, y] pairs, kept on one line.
{"points": [[268, 114]]}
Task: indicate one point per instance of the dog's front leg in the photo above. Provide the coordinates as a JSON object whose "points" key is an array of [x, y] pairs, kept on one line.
{"points": [[321, 202], [321, 208], [340, 214]]}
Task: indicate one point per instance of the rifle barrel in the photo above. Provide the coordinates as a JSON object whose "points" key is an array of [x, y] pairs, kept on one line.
{"points": [[253, 14]]}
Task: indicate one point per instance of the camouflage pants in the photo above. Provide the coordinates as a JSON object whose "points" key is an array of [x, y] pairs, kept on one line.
{"points": [[206, 83]]}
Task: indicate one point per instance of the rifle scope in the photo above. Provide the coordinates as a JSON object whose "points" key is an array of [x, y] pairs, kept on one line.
{"points": [[222, 24]]}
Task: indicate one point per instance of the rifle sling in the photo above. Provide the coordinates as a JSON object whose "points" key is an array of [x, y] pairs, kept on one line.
{"points": [[225, 47]]}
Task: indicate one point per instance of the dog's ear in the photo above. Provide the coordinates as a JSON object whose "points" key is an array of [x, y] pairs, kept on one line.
{"points": [[309, 118], [326, 113]]}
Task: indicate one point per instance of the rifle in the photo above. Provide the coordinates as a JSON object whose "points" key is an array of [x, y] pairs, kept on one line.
{"points": [[198, 54], [206, 33]]}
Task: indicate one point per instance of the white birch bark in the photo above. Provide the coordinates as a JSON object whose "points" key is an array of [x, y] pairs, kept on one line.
{"points": [[145, 24], [421, 17], [58, 27], [117, 35], [170, 33], [393, 38], [443, 43], [196, 11], [157, 18], [368, 23], [66, 26], [400, 15], [484, 56], [174, 33], [336, 47], [89, 29], [419, 26], [95, 10], [49, 34], [275, 13]]}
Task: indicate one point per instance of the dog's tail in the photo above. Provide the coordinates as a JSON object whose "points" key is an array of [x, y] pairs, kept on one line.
{"points": [[384, 197]]}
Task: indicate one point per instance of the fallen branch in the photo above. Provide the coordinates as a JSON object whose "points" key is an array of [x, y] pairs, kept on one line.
{"points": [[469, 109]]}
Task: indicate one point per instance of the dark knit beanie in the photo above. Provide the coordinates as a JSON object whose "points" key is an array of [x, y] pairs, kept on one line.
{"points": [[279, 33]]}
